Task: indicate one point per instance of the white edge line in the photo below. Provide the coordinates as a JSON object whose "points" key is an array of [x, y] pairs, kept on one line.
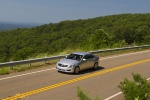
{"points": [[124, 55], [54, 68], [113, 96], [26, 74], [117, 94]]}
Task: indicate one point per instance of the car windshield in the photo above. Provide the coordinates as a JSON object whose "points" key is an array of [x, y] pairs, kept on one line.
{"points": [[74, 57]]}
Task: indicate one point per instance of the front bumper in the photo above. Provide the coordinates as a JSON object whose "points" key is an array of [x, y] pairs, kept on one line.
{"points": [[65, 69]]}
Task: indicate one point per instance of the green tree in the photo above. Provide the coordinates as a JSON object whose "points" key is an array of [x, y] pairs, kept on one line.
{"points": [[139, 89], [22, 54], [99, 39], [88, 34]]}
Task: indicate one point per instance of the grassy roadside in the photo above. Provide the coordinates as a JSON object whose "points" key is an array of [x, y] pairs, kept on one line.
{"points": [[20, 68]]}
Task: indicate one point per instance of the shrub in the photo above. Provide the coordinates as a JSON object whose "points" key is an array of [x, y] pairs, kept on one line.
{"points": [[139, 89], [5, 70], [84, 96]]}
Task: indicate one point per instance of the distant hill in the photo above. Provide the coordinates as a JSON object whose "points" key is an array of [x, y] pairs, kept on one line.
{"points": [[13, 25], [81, 35]]}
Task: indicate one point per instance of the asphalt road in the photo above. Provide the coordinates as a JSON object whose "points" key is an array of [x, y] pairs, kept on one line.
{"points": [[48, 84]]}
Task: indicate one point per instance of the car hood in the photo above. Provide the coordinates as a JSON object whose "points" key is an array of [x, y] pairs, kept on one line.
{"points": [[68, 62]]}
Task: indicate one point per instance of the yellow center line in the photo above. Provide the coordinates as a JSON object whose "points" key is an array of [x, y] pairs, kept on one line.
{"points": [[23, 95]]}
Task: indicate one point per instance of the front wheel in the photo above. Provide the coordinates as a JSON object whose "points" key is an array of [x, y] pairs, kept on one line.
{"points": [[95, 66], [76, 70]]}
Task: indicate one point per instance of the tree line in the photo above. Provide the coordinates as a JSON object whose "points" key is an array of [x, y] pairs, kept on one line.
{"points": [[83, 34]]}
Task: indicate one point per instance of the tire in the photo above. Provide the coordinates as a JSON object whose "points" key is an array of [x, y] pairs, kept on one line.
{"points": [[95, 65], [76, 70]]}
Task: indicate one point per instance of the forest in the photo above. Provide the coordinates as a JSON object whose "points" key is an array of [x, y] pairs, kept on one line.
{"points": [[84, 34], [12, 25]]}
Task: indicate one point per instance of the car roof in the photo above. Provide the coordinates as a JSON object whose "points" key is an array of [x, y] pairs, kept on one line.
{"points": [[81, 53]]}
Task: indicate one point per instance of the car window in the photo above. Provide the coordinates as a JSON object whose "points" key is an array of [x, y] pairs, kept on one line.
{"points": [[74, 57], [88, 56], [91, 56]]}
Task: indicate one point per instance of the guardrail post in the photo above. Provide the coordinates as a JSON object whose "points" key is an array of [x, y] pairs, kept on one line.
{"points": [[45, 60], [30, 64], [11, 67]]}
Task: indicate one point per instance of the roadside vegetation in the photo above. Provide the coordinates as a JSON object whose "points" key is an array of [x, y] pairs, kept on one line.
{"points": [[78, 35], [83, 95], [99, 33], [138, 89], [25, 67]]}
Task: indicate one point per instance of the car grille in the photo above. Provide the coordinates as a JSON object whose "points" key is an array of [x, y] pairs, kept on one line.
{"points": [[61, 65]]}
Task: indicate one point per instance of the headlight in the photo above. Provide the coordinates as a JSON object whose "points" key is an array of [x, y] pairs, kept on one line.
{"points": [[71, 66]]}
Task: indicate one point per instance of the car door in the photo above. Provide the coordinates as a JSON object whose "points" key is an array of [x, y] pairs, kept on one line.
{"points": [[85, 62], [91, 60]]}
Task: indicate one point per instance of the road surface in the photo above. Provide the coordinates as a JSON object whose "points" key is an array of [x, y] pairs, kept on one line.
{"points": [[48, 84]]}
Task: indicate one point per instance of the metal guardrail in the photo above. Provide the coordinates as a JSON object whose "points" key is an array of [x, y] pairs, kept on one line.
{"points": [[119, 49], [13, 63]]}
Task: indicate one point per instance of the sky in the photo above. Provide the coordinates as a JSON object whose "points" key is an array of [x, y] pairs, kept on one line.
{"points": [[54, 11]]}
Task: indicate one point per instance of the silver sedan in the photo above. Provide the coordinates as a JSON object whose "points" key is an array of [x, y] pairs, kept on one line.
{"points": [[75, 62]]}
